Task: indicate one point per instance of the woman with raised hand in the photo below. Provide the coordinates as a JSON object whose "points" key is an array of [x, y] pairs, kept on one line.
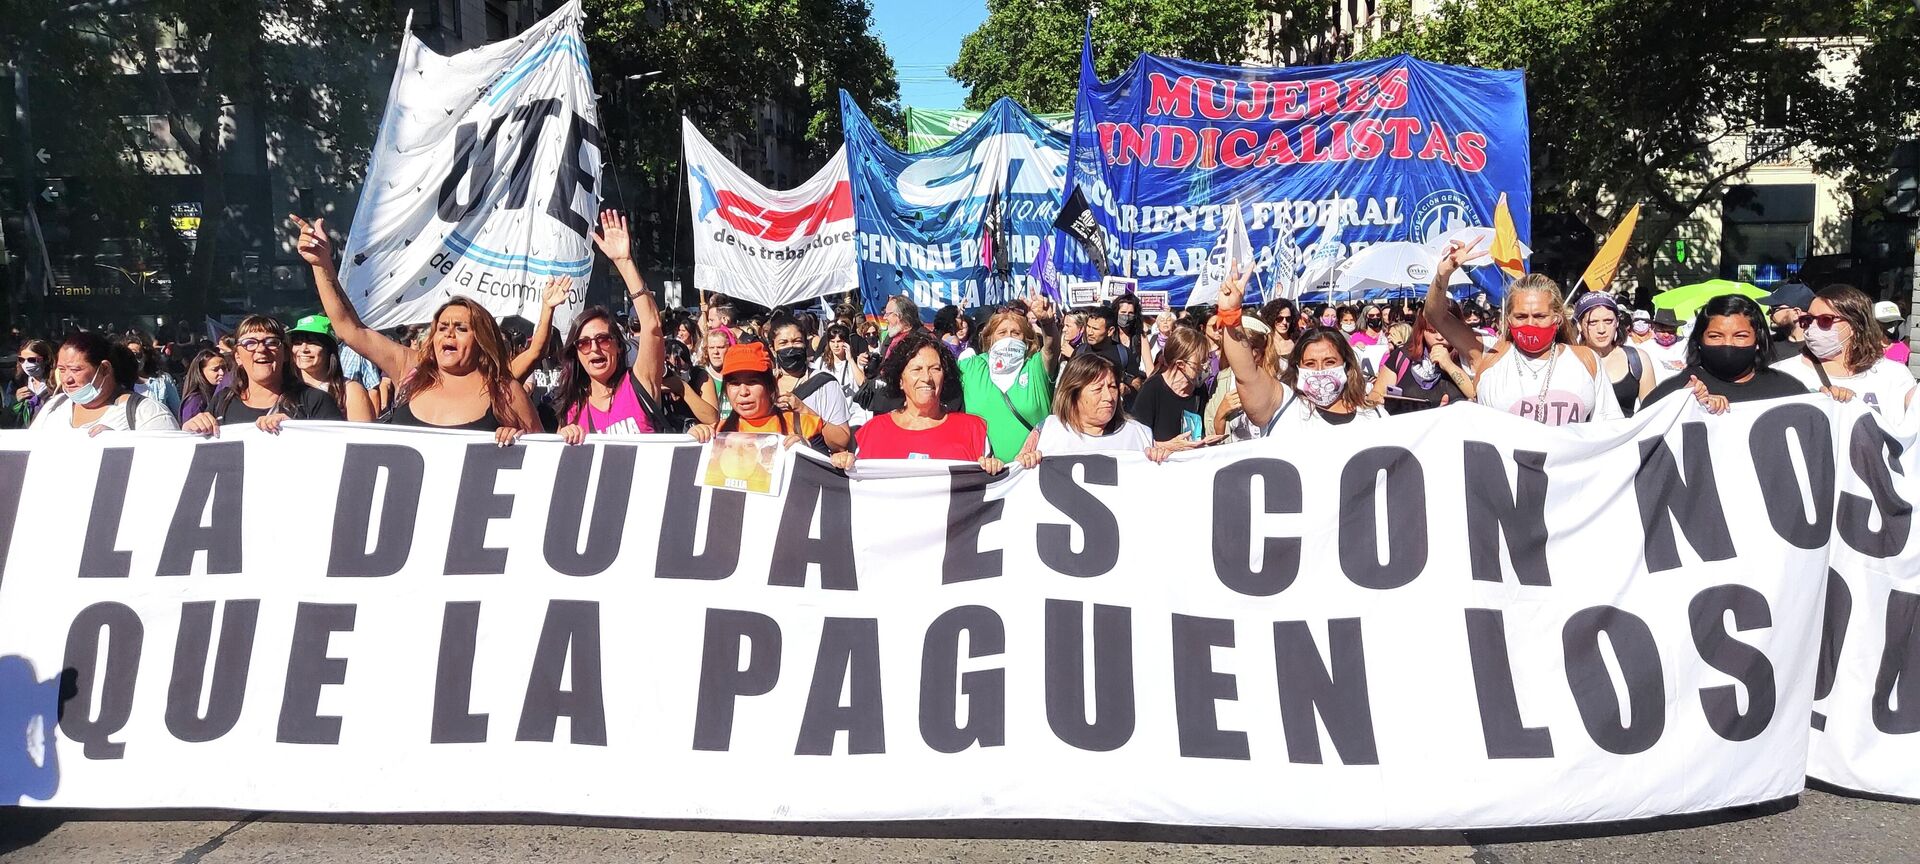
{"points": [[96, 379], [1087, 417], [1630, 369], [600, 391], [1426, 372], [263, 389], [316, 356], [459, 379], [1533, 369], [1009, 383], [923, 375], [1845, 354], [1730, 338], [202, 380], [1321, 384]]}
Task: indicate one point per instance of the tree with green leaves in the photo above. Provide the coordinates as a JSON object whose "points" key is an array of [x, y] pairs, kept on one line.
{"points": [[1645, 100], [1030, 51], [226, 83], [719, 62]]}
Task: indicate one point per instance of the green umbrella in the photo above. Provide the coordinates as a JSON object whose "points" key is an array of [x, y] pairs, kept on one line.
{"points": [[1687, 299]]}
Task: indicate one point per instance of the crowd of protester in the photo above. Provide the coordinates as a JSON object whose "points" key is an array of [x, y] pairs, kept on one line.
{"points": [[1011, 384]]}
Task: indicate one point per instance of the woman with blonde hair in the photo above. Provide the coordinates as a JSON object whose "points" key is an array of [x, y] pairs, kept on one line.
{"points": [[1534, 369], [459, 379], [1088, 417], [1845, 354]]}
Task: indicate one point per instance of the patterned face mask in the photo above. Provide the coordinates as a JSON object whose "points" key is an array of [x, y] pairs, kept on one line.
{"points": [[1322, 386]]}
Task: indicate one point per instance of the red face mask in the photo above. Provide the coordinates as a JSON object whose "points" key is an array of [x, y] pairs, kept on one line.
{"points": [[1534, 338]]}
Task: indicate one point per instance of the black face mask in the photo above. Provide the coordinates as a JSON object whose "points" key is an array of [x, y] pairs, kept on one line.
{"points": [[1373, 323], [791, 359], [1728, 362]]}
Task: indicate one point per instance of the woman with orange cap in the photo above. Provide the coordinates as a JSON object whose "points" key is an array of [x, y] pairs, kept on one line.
{"points": [[746, 373]]}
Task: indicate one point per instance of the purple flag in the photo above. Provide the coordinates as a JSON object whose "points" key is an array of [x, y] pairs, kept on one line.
{"points": [[1043, 271]]}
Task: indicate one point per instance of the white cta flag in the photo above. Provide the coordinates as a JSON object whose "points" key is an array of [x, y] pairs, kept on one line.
{"points": [[768, 246], [484, 182]]}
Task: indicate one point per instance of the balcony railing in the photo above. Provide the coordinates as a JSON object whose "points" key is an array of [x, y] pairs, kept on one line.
{"points": [[1769, 147]]}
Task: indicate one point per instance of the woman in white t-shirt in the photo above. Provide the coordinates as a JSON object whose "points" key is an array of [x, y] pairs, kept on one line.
{"points": [[1851, 352], [1534, 370], [97, 379], [1322, 382], [1087, 417]]}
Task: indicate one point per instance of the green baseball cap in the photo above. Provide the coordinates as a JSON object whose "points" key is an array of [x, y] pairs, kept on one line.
{"points": [[315, 324]]}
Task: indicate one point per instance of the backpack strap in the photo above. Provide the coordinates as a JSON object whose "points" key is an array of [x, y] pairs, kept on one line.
{"points": [[1818, 369], [133, 400], [812, 385], [1633, 362]]}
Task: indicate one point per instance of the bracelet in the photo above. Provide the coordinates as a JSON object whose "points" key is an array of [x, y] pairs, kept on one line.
{"points": [[1228, 317]]}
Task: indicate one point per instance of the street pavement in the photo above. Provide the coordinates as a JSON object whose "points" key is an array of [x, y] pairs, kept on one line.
{"points": [[1818, 827]]}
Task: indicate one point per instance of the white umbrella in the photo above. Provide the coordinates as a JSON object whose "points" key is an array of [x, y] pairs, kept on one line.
{"points": [[1468, 236], [1395, 263]]}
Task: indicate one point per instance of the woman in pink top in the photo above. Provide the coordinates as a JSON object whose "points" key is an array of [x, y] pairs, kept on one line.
{"points": [[599, 393]]}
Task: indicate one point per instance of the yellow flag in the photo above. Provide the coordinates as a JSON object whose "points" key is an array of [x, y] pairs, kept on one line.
{"points": [[1506, 241], [1606, 262]]}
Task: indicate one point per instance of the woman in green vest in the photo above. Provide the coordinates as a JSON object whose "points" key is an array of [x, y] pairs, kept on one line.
{"points": [[1009, 383]]}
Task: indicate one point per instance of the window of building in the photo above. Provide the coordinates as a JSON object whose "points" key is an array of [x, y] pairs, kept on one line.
{"points": [[1766, 232]]}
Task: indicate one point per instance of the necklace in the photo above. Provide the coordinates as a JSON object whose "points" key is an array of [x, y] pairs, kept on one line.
{"points": [[1553, 356]]}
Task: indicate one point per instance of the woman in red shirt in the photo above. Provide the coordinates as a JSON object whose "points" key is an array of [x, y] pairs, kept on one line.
{"points": [[921, 370]]}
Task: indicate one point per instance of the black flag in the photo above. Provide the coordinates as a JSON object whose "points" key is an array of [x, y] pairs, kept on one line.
{"points": [[1076, 218]]}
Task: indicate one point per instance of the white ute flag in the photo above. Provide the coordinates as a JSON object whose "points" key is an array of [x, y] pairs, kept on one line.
{"points": [[484, 181]]}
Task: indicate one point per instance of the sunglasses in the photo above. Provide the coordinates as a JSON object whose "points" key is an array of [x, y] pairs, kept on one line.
{"points": [[268, 344], [605, 341], [1825, 322]]}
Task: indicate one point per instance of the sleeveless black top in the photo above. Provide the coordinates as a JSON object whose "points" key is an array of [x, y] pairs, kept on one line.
{"points": [[402, 415]]}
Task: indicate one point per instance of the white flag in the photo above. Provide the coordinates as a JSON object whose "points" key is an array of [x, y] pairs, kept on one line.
{"points": [[1233, 250], [1325, 255], [768, 246], [484, 181]]}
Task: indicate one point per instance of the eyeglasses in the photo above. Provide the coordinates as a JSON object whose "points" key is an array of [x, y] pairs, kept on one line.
{"points": [[267, 345], [1824, 322], [587, 343]]}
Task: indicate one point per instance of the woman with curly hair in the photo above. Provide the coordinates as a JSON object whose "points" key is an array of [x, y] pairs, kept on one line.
{"points": [[920, 371]]}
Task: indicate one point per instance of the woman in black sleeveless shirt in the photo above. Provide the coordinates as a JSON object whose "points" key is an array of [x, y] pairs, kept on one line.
{"points": [[459, 379]]}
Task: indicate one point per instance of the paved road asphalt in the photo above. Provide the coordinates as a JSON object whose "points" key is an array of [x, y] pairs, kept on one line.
{"points": [[1818, 827]]}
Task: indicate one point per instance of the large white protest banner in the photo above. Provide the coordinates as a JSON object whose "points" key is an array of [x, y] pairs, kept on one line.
{"points": [[484, 181], [768, 246], [1866, 717], [1446, 620]]}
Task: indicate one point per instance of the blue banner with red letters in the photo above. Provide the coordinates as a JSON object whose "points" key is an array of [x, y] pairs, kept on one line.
{"points": [[1349, 154]]}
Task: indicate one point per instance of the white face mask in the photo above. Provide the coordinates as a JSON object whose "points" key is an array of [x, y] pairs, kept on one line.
{"points": [[1007, 355], [1825, 344], [1322, 386], [1346, 327], [1641, 327]]}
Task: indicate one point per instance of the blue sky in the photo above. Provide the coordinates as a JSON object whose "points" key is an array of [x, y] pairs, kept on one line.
{"points": [[923, 37]]}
